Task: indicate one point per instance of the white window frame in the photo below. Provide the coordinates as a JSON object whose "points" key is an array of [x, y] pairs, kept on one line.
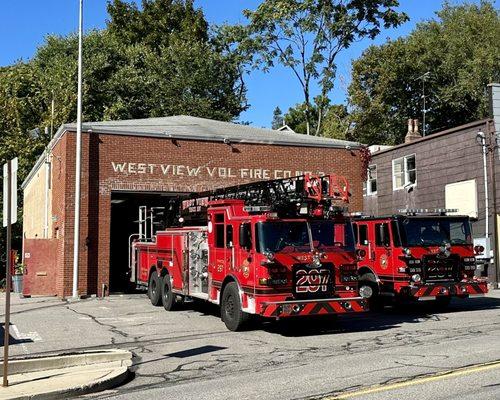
{"points": [[367, 191], [406, 175]]}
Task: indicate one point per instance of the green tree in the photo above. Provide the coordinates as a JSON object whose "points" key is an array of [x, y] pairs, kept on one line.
{"points": [[307, 36], [157, 22], [336, 121], [460, 50], [277, 118], [160, 60], [295, 118]]}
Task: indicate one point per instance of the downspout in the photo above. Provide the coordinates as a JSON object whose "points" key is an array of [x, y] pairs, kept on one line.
{"points": [[47, 184]]}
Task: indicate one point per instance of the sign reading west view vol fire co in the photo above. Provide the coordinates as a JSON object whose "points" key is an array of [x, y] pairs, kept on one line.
{"points": [[205, 172], [13, 192]]}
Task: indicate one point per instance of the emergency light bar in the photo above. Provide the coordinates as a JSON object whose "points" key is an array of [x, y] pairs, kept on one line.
{"points": [[428, 211]]}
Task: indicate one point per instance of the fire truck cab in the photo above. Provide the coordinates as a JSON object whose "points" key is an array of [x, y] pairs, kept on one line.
{"points": [[418, 255], [288, 256]]}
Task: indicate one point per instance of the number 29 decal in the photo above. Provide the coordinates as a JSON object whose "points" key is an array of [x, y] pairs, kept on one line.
{"points": [[311, 281]]}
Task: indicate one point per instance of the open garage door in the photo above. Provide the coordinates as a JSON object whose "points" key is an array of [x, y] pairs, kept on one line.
{"points": [[124, 217]]}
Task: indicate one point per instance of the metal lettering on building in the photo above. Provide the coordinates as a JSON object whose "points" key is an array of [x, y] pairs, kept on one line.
{"points": [[205, 172]]}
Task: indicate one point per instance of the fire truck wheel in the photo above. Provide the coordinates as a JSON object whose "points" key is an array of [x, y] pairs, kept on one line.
{"points": [[375, 301], [168, 298], [231, 312], [154, 289]]}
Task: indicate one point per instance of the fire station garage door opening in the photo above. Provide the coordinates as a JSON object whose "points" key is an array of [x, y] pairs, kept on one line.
{"points": [[124, 223]]}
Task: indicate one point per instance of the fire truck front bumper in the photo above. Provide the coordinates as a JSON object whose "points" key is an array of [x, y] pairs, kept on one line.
{"points": [[461, 289], [294, 308]]}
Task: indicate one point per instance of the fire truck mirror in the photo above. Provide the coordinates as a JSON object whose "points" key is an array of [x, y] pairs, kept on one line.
{"points": [[382, 238], [245, 236]]}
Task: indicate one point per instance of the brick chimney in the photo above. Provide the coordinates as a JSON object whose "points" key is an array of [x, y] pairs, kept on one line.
{"points": [[413, 133]]}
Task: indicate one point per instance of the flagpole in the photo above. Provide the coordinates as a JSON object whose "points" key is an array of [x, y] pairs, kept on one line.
{"points": [[76, 238]]}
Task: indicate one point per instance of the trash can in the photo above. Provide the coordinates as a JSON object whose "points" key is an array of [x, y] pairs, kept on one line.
{"points": [[17, 283]]}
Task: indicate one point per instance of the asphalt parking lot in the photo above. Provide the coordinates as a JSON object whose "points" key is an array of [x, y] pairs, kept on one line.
{"points": [[189, 354]]}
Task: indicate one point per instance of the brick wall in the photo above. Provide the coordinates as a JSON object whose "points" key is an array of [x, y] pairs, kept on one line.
{"points": [[121, 162], [41, 272]]}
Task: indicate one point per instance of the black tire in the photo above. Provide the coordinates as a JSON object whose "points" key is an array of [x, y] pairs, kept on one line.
{"points": [[154, 289], [375, 302], [231, 312], [168, 298]]}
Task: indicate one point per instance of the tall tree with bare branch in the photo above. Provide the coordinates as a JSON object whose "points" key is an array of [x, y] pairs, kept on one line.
{"points": [[308, 35]]}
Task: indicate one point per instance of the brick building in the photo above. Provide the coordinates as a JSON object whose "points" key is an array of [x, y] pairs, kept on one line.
{"points": [[126, 164]]}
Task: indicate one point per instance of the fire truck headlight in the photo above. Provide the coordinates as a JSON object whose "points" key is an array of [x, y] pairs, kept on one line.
{"points": [[416, 278], [365, 291], [316, 261]]}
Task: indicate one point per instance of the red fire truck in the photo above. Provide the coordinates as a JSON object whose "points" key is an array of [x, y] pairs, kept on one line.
{"points": [[418, 255], [275, 249]]}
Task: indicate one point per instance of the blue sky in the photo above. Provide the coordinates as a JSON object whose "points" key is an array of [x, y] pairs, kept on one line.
{"points": [[25, 23]]}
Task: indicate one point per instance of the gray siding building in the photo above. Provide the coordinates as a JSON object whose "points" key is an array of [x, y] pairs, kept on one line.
{"points": [[443, 170]]}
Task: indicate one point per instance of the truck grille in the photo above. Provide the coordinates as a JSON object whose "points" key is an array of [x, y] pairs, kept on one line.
{"points": [[311, 282], [437, 269]]}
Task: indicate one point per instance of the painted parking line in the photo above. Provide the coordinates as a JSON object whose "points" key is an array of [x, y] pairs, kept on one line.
{"points": [[418, 381], [21, 337]]}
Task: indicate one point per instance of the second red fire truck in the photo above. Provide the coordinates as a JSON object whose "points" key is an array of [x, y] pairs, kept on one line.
{"points": [[274, 249], [418, 255]]}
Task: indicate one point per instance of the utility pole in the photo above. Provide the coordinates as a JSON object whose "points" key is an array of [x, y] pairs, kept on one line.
{"points": [[492, 147], [484, 148], [76, 234], [423, 78]]}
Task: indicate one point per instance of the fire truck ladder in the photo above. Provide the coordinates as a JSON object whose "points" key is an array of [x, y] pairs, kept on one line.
{"points": [[277, 195]]}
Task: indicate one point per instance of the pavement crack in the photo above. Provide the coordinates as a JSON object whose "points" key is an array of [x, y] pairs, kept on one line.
{"points": [[110, 327]]}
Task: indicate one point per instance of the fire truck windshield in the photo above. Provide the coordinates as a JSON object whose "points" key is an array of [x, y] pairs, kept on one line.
{"points": [[288, 236], [327, 233], [435, 231]]}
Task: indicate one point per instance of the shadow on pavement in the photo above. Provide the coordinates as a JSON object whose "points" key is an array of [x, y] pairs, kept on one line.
{"points": [[196, 351], [391, 317]]}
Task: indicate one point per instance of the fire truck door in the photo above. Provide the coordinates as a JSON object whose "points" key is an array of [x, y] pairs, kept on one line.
{"points": [[382, 249], [362, 240], [244, 254], [221, 252]]}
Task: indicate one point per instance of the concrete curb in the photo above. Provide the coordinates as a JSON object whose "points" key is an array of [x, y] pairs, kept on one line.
{"points": [[94, 387], [113, 364], [24, 365]]}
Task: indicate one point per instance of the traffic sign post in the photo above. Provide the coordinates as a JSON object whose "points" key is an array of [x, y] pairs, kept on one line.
{"points": [[9, 217]]}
